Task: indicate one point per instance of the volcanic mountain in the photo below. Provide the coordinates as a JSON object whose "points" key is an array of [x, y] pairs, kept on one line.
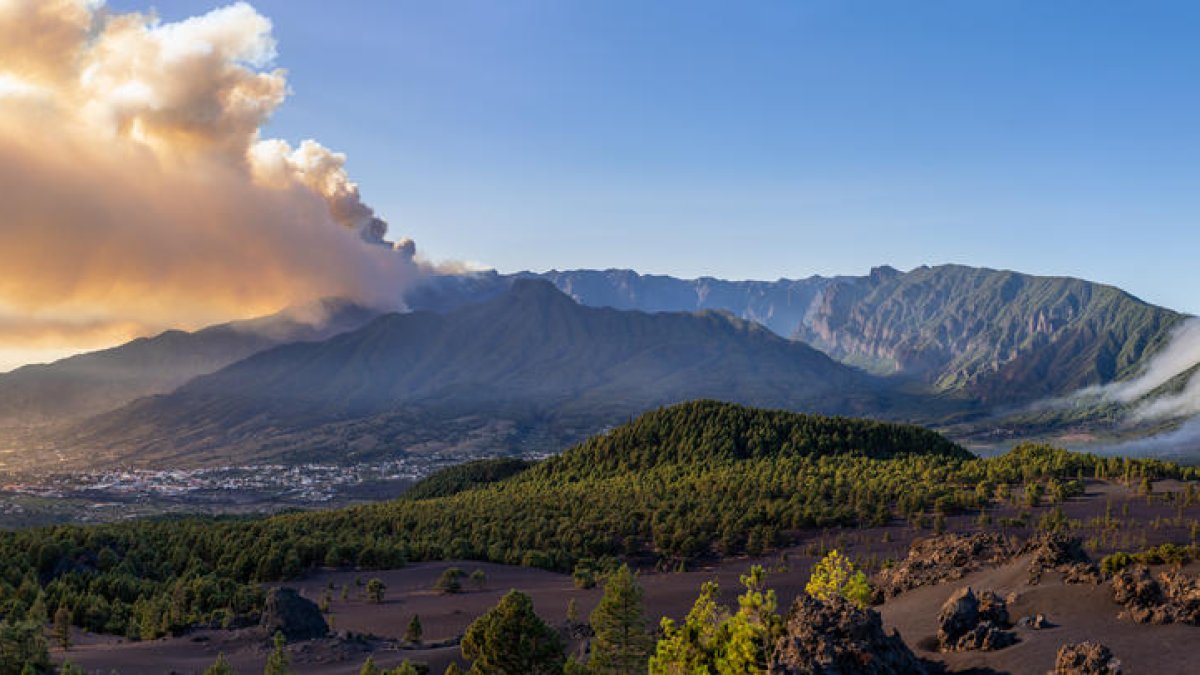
{"points": [[527, 370]]}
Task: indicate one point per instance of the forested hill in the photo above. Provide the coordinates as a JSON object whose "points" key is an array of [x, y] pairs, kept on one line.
{"points": [[699, 480], [711, 432]]}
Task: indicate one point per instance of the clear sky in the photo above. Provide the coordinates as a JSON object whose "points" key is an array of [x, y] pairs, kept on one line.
{"points": [[763, 139]]}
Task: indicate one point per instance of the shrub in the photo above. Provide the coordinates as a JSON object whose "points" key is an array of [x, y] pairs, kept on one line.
{"points": [[836, 575]]}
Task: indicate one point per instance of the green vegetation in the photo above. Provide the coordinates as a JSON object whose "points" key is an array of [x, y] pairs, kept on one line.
{"points": [[406, 667], [510, 639], [713, 639], [1163, 554], [450, 581], [691, 481], [375, 591], [622, 643], [461, 477], [220, 667], [22, 647], [836, 575], [278, 662], [414, 632]]}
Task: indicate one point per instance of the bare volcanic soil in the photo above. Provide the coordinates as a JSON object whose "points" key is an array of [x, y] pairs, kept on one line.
{"points": [[1074, 605]]}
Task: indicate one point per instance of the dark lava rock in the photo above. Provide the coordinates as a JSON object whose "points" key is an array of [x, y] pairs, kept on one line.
{"points": [[838, 638], [1035, 622], [1086, 658], [1171, 598], [1057, 551], [958, 615], [985, 636], [296, 617], [969, 622], [993, 608], [940, 558]]}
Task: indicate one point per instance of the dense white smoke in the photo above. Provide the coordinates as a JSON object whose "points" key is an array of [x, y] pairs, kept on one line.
{"points": [[137, 192]]}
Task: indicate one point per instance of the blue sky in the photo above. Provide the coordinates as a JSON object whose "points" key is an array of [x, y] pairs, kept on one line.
{"points": [[764, 139]]}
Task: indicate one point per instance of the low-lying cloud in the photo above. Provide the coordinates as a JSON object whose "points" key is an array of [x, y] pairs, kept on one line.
{"points": [[137, 190], [1177, 364]]}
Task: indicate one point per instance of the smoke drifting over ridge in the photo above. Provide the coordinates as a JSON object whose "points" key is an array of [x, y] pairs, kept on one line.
{"points": [[138, 194]]}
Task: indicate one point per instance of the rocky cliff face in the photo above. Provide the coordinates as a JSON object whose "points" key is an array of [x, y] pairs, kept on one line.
{"points": [[998, 335]]}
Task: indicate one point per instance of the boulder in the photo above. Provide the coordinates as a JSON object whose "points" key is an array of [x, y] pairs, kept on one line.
{"points": [[958, 615], [932, 560], [1172, 597], [838, 638], [1056, 551], [1086, 658], [985, 637], [1036, 622], [968, 622], [298, 618], [993, 608]]}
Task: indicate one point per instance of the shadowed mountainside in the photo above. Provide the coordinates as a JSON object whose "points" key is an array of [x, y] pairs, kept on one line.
{"points": [[95, 382], [529, 370]]}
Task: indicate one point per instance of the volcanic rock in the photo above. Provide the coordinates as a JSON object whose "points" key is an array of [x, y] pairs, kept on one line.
{"points": [[969, 622], [940, 558], [1058, 551], [1173, 597], [1086, 658], [298, 618], [838, 638]]}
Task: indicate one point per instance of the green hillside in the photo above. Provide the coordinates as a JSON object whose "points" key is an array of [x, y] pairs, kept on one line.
{"points": [[703, 479]]}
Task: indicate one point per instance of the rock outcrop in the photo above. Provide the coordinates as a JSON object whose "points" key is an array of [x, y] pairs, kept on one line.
{"points": [[1086, 658], [1172, 597], [968, 622], [1058, 551], [838, 638], [298, 618], [940, 558]]}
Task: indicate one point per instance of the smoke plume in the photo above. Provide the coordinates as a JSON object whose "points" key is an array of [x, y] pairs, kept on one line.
{"points": [[137, 192]]}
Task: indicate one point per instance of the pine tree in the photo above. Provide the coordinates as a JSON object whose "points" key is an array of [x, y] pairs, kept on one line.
{"points": [[479, 578], [220, 667], [453, 669], [836, 575], [622, 644], [62, 627], [369, 668], [572, 611], [414, 631], [510, 639], [278, 662], [692, 647], [22, 646], [375, 589], [751, 631], [712, 640]]}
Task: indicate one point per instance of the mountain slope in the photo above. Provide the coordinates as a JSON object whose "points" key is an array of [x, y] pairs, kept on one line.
{"points": [[997, 335], [95, 382], [531, 363]]}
